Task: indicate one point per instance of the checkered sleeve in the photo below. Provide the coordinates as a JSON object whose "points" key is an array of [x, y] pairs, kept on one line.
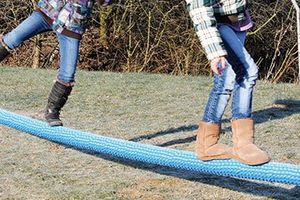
{"points": [[205, 25]]}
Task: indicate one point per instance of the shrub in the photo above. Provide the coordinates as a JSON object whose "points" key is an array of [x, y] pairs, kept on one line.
{"points": [[158, 37]]}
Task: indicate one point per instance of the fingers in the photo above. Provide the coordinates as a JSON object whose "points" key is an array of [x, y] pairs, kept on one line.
{"points": [[223, 63], [215, 69], [218, 65]]}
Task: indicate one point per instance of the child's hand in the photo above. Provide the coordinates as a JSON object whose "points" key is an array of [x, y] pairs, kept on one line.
{"points": [[217, 65]]}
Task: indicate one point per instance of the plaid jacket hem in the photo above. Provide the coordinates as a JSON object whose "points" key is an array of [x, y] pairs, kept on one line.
{"points": [[202, 13]]}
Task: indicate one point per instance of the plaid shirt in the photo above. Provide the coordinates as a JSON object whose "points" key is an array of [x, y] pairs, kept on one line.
{"points": [[68, 14], [203, 13]]}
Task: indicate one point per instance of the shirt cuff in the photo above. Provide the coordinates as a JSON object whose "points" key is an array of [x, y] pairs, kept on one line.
{"points": [[216, 54]]}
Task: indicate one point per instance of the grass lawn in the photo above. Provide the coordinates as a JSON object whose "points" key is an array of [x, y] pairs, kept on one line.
{"points": [[155, 109]]}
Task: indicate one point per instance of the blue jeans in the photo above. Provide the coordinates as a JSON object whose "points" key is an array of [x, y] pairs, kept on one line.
{"points": [[238, 79], [69, 47]]}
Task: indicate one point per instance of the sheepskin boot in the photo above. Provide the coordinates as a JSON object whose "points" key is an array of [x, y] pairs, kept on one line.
{"points": [[243, 148], [57, 99], [207, 147], [4, 50]]}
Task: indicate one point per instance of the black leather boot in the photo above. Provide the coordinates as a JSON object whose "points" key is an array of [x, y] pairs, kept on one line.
{"points": [[57, 99], [3, 50]]}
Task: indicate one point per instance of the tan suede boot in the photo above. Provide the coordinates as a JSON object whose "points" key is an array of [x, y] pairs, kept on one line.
{"points": [[243, 148], [207, 147]]}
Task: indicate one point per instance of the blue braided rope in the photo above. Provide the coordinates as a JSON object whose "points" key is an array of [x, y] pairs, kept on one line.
{"points": [[185, 160]]}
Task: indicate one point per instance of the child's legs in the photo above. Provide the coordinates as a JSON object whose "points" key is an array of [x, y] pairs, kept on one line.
{"points": [[31, 26], [219, 95], [245, 69], [243, 92], [69, 54]]}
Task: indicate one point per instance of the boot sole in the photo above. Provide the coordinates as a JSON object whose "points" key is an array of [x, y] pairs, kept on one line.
{"points": [[55, 123], [218, 157], [249, 163], [227, 157]]}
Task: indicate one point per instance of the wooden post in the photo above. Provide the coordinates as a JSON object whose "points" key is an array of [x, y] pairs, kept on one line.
{"points": [[298, 33], [37, 46], [103, 15]]}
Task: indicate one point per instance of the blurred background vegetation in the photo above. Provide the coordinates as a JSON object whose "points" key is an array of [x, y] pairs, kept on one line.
{"points": [[157, 36]]}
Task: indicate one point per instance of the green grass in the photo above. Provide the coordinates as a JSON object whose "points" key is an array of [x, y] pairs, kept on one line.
{"points": [[154, 109]]}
